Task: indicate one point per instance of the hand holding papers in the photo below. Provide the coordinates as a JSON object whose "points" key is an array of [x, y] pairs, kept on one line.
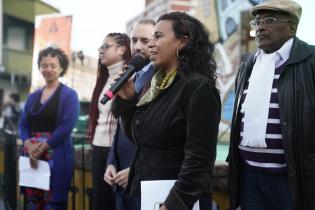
{"points": [[153, 194], [37, 178]]}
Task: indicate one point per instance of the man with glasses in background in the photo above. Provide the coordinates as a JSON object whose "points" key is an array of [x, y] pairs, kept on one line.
{"points": [[272, 148]]}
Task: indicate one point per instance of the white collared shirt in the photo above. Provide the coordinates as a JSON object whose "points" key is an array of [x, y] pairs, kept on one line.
{"points": [[283, 52]]}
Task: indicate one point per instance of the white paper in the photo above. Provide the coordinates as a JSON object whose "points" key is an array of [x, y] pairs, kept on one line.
{"points": [[154, 193], [37, 178]]}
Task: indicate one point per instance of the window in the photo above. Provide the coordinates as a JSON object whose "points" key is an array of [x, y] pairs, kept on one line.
{"points": [[230, 26], [224, 4], [16, 38]]}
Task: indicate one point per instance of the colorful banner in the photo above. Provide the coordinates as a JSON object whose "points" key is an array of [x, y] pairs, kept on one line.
{"points": [[50, 30], [228, 56]]}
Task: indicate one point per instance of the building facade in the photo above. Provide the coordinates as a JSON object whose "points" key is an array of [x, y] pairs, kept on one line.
{"points": [[17, 36]]}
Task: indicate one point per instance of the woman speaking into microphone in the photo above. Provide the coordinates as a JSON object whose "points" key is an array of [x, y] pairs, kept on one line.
{"points": [[175, 123]]}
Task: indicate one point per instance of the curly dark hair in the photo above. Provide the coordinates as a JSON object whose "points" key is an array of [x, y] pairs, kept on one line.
{"points": [[197, 54], [121, 39], [53, 51]]}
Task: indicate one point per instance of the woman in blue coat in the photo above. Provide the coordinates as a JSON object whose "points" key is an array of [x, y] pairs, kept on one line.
{"points": [[45, 127]]}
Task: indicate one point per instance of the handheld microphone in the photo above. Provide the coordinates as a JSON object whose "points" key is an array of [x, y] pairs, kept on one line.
{"points": [[136, 64]]}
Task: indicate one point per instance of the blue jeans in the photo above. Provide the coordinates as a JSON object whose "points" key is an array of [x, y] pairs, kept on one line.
{"points": [[263, 191]]}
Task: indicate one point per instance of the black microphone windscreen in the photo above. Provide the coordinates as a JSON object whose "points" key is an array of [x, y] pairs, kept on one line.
{"points": [[138, 62]]}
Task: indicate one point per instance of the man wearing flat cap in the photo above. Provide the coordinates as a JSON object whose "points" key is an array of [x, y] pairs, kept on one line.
{"points": [[272, 148]]}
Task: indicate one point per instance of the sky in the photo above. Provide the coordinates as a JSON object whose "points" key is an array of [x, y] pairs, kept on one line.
{"points": [[94, 19], [306, 29]]}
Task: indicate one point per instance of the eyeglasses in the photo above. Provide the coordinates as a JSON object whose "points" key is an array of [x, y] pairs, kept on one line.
{"points": [[268, 21], [106, 47]]}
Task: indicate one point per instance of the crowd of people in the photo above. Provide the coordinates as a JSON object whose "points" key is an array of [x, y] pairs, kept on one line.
{"points": [[163, 123]]}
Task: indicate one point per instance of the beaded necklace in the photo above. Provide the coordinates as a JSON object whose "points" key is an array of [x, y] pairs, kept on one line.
{"points": [[43, 105]]}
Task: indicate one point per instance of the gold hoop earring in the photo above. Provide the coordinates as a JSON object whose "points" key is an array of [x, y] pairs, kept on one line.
{"points": [[178, 55]]}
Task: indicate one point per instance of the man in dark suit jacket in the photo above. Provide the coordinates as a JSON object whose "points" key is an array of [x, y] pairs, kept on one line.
{"points": [[122, 149]]}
